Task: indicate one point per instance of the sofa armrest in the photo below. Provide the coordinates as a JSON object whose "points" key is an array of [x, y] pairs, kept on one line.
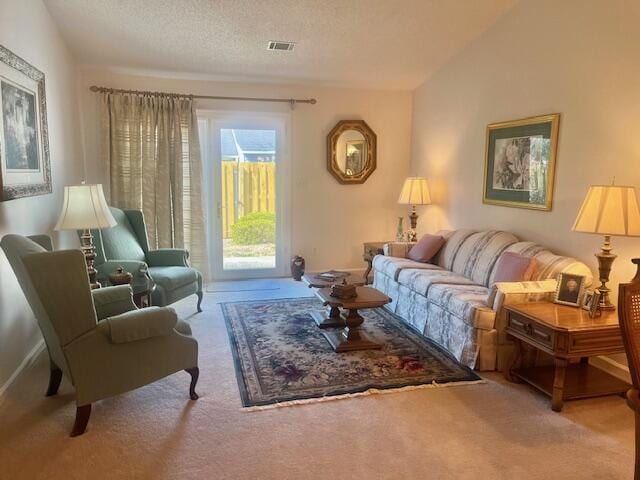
{"points": [[111, 301], [168, 257], [507, 293], [140, 324], [397, 249]]}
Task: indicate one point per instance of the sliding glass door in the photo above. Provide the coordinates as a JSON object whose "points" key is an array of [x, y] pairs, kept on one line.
{"points": [[246, 160]]}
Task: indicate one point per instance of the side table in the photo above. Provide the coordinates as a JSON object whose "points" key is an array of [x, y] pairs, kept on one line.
{"points": [[570, 336], [142, 298], [370, 250]]}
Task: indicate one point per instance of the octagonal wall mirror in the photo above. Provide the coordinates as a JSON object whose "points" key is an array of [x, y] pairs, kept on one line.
{"points": [[351, 151]]}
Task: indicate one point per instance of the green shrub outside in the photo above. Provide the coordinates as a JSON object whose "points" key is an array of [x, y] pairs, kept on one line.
{"points": [[257, 227]]}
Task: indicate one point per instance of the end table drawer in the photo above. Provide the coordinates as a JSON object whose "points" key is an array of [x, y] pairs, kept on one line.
{"points": [[531, 329]]}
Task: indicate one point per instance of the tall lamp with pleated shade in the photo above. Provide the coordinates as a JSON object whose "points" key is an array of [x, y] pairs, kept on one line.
{"points": [[610, 210], [85, 208], [415, 191]]}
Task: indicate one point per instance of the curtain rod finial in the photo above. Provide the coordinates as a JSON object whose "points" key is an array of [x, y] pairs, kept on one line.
{"points": [[93, 88]]}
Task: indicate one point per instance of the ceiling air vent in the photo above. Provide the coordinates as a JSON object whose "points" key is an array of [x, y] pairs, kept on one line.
{"points": [[282, 46]]}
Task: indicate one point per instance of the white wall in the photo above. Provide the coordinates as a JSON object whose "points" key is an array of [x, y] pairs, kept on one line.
{"points": [[329, 221], [27, 30], [576, 57]]}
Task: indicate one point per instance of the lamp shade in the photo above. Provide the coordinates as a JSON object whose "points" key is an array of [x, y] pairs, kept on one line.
{"points": [[415, 191], [609, 210], [84, 207]]}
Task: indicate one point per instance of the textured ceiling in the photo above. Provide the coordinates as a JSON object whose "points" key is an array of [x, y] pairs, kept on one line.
{"points": [[391, 44]]}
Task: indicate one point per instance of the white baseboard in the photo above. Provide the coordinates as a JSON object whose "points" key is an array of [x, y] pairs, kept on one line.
{"points": [[616, 369], [28, 360]]}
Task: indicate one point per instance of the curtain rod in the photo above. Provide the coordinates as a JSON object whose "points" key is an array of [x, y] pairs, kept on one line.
{"points": [[291, 101]]}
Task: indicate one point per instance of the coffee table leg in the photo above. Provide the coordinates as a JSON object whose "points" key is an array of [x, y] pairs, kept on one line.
{"points": [[352, 337], [331, 320]]}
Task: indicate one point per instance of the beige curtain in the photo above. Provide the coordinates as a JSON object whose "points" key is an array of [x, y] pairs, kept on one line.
{"points": [[153, 156]]}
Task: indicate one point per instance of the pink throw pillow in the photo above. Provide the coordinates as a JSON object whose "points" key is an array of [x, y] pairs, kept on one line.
{"points": [[513, 267], [426, 248]]}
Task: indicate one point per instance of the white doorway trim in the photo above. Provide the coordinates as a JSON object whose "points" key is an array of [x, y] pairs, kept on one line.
{"points": [[210, 122]]}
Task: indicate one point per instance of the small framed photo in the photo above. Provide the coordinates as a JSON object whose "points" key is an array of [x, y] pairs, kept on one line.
{"points": [[570, 289], [587, 301], [591, 303]]}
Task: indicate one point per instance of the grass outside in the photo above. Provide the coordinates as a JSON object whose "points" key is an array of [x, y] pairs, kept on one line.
{"points": [[229, 249]]}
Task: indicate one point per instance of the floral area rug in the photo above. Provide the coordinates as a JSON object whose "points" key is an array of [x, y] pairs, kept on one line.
{"points": [[282, 358]]}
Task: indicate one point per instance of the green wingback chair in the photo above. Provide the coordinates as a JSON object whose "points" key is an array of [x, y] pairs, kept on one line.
{"points": [[126, 244], [98, 339]]}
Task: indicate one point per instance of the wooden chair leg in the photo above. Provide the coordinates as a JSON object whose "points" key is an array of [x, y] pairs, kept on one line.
{"points": [[195, 373], [636, 475], [55, 377], [82, 419], [200, 295]]}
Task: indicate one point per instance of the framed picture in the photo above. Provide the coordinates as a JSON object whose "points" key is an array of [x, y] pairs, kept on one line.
{"points": [[520, 162], [570, 289], [24, 140], [591, 302]]}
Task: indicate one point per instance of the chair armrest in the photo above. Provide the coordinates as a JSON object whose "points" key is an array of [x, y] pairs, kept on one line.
{"points": [[140, 324], [168, 257], [508, 293], [397, 249], [111, 301]]}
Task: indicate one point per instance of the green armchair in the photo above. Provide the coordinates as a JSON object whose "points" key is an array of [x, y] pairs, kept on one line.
{"points": [[98, 339], [126, 245]]}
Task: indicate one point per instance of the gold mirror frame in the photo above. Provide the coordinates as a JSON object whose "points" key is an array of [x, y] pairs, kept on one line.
{"points": [[332, 160]]}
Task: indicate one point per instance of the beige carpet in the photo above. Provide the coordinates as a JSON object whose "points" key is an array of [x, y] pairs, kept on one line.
{"points": [[490, 431]]}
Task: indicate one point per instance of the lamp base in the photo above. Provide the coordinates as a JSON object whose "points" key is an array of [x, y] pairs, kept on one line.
{"points": [[413, 217], [89, 251], [605, 260]]}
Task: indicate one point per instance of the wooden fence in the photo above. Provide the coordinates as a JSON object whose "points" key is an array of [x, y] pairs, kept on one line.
{"points": [[247, 187]]}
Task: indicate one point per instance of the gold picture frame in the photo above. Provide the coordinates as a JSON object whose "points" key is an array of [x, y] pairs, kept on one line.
{"points": [[520, 162], [340, 170]]}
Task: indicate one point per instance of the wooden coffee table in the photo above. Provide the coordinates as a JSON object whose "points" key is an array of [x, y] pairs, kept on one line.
{"points": [[352, 337], [332, 318]]}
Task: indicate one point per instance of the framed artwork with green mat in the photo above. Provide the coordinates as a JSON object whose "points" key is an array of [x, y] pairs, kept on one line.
{"points": [[520, 162]]}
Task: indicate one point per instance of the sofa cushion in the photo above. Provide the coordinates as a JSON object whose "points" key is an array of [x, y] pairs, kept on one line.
{"points": [[478, 254], [391, 266], [421, 280], [513, 267], [426, 248], [467, 302], [172, 278], [449, 250]]}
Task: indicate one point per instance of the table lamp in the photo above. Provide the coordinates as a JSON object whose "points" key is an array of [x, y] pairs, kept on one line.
{"points": [[608, 210], [415, 191], [85, 208]]}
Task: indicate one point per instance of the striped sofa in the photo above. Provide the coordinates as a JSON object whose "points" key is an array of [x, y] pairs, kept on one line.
{"points": [[454, 300]]}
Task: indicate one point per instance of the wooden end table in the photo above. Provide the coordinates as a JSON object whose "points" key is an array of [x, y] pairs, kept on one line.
{"points": [[142, 298], [351, 337], [570, 336], [332, 318], [371, 249]]}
